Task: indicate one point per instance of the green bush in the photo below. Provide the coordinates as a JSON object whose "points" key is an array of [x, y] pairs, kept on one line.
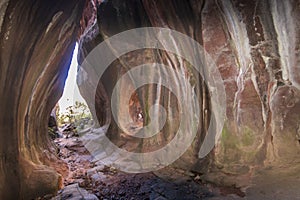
{"points": [[78, 114]]}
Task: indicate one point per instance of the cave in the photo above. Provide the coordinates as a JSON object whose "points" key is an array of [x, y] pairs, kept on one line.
{"points": [[191, 99]]}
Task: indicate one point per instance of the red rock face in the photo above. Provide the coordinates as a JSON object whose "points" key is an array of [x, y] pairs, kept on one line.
{"points": [[249, 34], [37, 39], [254, 45], [255, 48]]}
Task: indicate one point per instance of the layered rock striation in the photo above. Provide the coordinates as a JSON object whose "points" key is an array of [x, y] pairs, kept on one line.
{"points": [[254, 44], [37, 39]]}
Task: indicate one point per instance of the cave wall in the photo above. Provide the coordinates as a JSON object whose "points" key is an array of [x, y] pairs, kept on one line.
{"points": [[37, 39], [256, 50], [255, 46]]}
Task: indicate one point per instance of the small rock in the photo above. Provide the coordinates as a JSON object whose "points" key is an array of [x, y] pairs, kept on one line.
{"points": [[98, 177], [74, 192], [122, 192], [95, 170]]}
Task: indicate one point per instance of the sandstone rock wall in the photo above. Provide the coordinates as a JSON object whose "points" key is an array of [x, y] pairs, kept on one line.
{"points": [[255, 45], [37, 39]]}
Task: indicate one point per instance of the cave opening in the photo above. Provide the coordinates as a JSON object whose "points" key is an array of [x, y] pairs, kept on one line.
{"points": [[71, 113], [255, 48]]}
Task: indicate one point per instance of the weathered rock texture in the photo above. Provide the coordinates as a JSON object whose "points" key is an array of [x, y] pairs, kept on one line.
{"points": [[36, 41], [255, 45]]}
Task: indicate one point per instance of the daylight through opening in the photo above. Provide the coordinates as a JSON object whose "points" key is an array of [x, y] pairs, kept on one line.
{"points": [[71, 112]]}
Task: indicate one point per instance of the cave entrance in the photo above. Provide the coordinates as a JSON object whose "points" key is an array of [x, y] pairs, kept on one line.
{"points": [[71, 114]]}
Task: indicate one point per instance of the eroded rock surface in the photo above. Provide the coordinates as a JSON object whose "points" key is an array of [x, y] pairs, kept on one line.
{"points": [[256, 49], [36, 41], [254, 44]]}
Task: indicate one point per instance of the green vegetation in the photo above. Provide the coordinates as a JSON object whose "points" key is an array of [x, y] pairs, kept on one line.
{"points": [[78, 114], [52, 132], [228, 140], [247, 137]]}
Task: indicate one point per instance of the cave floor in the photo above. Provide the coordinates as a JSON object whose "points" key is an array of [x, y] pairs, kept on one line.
{"points": [[87, 179], [276, 183]]}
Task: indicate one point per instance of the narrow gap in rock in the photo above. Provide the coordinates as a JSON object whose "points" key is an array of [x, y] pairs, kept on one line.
{"points": [[72, 108]]}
